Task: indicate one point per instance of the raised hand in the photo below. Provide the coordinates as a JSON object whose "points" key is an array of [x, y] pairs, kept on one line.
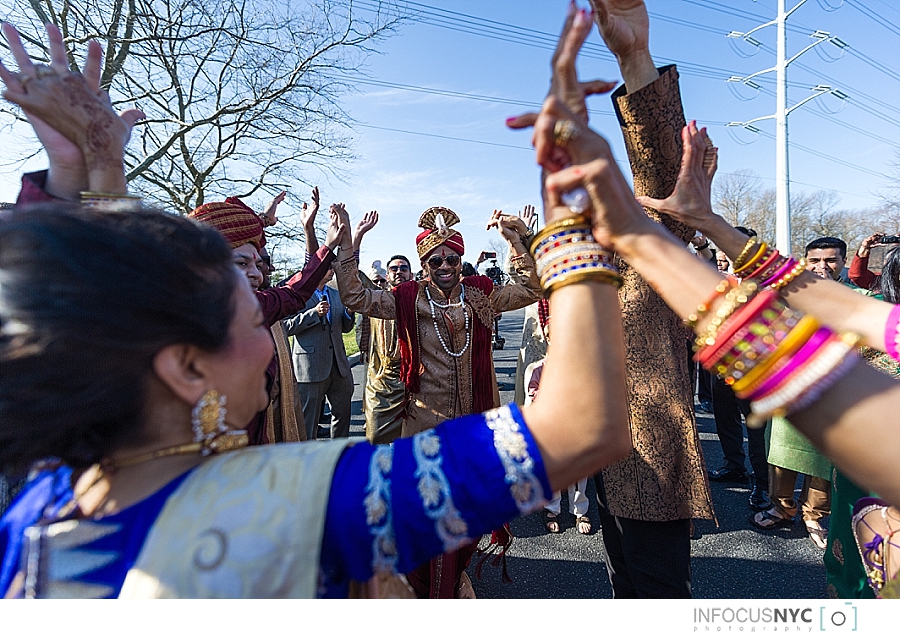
{"points": [[307, 213], [268, 216], [690, 201], [625, 28], [564, 82], [871, 242], [71, 117], [367, 223], [529, 216], [337, 229]]}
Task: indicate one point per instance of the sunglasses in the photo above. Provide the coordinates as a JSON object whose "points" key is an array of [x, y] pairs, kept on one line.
{"points": [[397, 269], [435, 261]]}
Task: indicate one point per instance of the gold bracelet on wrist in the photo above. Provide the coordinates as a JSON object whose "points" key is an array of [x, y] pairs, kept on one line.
{"points": [[109, 201], [739, 260]]}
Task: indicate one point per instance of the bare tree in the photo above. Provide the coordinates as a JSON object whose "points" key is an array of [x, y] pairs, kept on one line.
{"points": [[240, 95]]}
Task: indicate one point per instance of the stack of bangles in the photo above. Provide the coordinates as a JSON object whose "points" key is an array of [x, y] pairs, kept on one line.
{"points": [[565, 252], [780, 360], [766, 266]]}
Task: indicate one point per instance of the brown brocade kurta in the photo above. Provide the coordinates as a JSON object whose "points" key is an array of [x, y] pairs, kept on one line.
{"points": [[445, 386], [664, 477]]}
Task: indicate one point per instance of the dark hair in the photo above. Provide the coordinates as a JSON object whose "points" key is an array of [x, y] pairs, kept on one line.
{"points": [[468, 270], [400, 257], [750, 233], [87, 299], [827, 243], [889, 282]]}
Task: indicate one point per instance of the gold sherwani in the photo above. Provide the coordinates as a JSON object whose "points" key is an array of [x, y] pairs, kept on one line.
{"points": [[445, 385], [664, 477]]}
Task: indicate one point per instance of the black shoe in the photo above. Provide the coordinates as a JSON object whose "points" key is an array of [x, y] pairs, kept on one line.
{"points": [[759, 499], [724, 474]]}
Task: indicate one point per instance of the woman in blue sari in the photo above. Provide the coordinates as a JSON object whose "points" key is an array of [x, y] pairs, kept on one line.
{"points": [[132, 354]]}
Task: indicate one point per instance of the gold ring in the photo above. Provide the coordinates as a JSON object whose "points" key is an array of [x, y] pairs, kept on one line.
{"points": [[563, 132]]}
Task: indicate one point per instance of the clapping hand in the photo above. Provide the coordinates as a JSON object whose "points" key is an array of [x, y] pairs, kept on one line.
{"points": [[511, 227], [268, 216], [308, 214], [367, 223]]}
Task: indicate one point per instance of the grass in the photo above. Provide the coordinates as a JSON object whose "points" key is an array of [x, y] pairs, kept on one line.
{"points": [[349, 342]]}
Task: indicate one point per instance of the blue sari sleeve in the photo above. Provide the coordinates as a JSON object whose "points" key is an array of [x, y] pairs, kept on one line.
{"points": [[394, 507]]}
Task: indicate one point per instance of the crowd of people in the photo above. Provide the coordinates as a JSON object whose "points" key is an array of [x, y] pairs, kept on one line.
{"points": [[166, 412]]}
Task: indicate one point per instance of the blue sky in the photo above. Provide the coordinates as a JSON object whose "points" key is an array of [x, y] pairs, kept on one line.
{"points": [[421, 143]]}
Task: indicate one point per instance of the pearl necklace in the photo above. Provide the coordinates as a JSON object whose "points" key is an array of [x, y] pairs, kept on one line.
{"points": [[432, 304]]}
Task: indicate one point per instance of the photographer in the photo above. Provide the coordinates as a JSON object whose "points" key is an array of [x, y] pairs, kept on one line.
{"points": [[859, 272]]}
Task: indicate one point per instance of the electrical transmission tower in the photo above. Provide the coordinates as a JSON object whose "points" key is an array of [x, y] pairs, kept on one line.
{"points": [[782, 171]]}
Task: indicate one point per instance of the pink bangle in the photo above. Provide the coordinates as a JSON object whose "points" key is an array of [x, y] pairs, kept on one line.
{"points": [[892, 334], [762, 267], [791, 365], [780, 272]]}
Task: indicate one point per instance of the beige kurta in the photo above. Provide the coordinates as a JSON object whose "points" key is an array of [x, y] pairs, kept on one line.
{"points": [[384, 394], [445, 381], [664, 477]]}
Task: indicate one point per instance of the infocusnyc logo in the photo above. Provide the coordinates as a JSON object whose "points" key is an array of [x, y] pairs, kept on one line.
{"points": [[834, 617]]}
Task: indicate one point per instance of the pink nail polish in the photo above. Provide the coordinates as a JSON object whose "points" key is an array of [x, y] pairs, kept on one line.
{"points": [[509, 120], [581, 17]]}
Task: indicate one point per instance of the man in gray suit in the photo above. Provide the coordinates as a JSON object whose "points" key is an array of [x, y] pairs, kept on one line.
{"points": [[320, 361]]}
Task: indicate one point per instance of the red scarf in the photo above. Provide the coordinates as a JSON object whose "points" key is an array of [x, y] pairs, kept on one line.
{"points": [[410, 353]]}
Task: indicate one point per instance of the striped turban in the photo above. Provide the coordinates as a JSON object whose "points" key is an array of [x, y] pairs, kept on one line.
{"points": [[234, 220]]}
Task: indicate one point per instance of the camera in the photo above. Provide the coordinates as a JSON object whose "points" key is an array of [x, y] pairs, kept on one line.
{"points": [[890, 239]]}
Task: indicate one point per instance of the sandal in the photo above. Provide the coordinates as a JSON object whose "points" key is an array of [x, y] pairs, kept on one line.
{"points": [[769, 520], [583, 524], [817, 534], [551, 521]]}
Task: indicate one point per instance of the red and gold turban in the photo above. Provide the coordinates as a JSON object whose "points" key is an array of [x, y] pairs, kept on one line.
{"points": [[234, 220], [436, 222]]}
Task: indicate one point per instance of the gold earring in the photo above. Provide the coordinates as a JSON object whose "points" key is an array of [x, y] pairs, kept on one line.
{"points": [[208, 425]]}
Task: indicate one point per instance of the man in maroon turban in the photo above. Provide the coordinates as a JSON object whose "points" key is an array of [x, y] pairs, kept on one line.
{"points": [[444, 327], [243, 230]]}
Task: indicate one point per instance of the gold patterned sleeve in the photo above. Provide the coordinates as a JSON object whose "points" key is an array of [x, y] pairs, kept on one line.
{"points": [[526, 291], [652, 119], [373, 303]]}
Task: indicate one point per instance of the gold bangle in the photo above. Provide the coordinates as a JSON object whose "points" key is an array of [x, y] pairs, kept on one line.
{"points": [[108, 201], [737, 296], [607, 277], [798, 335], [791, 275], [572, 222], [757, 256], [739, 260], [703, 308]]}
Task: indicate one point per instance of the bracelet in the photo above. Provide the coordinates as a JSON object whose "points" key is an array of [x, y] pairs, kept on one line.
{"points": [[703, 307], [892, 333], [787, 366], [731, 333], [763, 248], [580, 222], [739, 260], [794, 339], [790, 276], [807, 385], [704, 247], [737, 296], [106, 201], [765, 263], [585, 276]]}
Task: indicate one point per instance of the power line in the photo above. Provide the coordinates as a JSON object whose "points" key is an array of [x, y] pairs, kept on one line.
{"points": [[874, 16]]}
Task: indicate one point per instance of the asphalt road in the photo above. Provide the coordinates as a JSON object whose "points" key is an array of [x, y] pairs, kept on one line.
{"points": [[731, 560]]}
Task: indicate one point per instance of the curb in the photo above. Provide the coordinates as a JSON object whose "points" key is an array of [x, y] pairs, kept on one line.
{"points": [[353, 359]]}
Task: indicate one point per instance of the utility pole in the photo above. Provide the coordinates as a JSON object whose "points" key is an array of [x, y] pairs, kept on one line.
{"points": [[782, 164]]}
